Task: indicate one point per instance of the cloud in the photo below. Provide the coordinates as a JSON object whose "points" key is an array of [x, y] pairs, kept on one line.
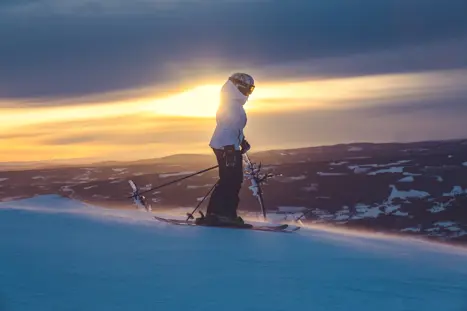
{"points": [[344, 93], [86, 78], [137, 136], [450, 106], [366, 124], [129, 140], [129, 137], [127, 130], [100, 7], [70, 139], [438, 55], [47, 53]]}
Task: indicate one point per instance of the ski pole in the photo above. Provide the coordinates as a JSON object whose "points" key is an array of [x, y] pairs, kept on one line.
{"points": [[177, 180], [303, 215], [190, 215]]}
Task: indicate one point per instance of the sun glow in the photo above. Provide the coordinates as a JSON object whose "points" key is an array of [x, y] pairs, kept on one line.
{"points": [[201, 101]]}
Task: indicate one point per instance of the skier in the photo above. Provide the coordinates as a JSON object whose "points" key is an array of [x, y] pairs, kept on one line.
{"points": [[228, 143]]}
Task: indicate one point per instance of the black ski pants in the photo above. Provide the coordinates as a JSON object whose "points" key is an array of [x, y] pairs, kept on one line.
{"points": [[225, 197]]}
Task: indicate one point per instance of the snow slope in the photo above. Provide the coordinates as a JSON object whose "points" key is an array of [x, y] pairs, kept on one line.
{"points": [[59, 254]]}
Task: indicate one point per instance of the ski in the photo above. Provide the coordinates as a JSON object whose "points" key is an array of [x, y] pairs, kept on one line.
{"points": [[140, 201], [273, 228]]}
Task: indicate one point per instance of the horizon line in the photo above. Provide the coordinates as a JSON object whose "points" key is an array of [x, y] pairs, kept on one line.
{"points": [[91, 161]]}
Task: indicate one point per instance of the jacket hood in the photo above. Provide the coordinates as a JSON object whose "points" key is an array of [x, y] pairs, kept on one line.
{"points": [[230, 93]]}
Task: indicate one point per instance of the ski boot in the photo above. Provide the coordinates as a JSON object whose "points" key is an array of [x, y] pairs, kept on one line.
{"points": [[221, 220], [236, 221], [208, 220], [200, 220]]}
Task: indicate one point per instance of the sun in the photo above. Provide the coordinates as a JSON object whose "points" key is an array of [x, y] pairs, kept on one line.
{"points": [[201, 101]]}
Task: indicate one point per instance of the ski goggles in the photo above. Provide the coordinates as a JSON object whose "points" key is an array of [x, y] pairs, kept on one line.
{"points": [[246, 89], [250, 89]]}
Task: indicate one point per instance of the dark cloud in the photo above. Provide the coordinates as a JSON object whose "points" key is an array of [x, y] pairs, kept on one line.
{"points": [[391, 123], [438, 55], [78, 51], [449, 107]]}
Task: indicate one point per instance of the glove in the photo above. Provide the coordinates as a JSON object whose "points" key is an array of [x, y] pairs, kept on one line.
{"points": [[245, 146], [230, 156]]}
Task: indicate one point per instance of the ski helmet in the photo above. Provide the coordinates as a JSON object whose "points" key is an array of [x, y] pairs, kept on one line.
{"points": [[244, 83]]}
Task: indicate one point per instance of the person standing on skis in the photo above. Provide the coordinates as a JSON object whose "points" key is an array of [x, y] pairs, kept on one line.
{"points": [[229, 144]]}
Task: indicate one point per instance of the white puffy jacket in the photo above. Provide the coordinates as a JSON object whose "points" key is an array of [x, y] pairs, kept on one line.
{"points": [[230, 117]]}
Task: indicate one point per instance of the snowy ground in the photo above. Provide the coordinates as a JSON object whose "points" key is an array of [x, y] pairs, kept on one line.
{"points": [[59, 254]]}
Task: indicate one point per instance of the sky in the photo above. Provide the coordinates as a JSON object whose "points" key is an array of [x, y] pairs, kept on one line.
{"points": [[125, 80]]}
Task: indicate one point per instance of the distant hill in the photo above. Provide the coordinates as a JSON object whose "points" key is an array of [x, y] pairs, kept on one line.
{"points": [[408, 188]]}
